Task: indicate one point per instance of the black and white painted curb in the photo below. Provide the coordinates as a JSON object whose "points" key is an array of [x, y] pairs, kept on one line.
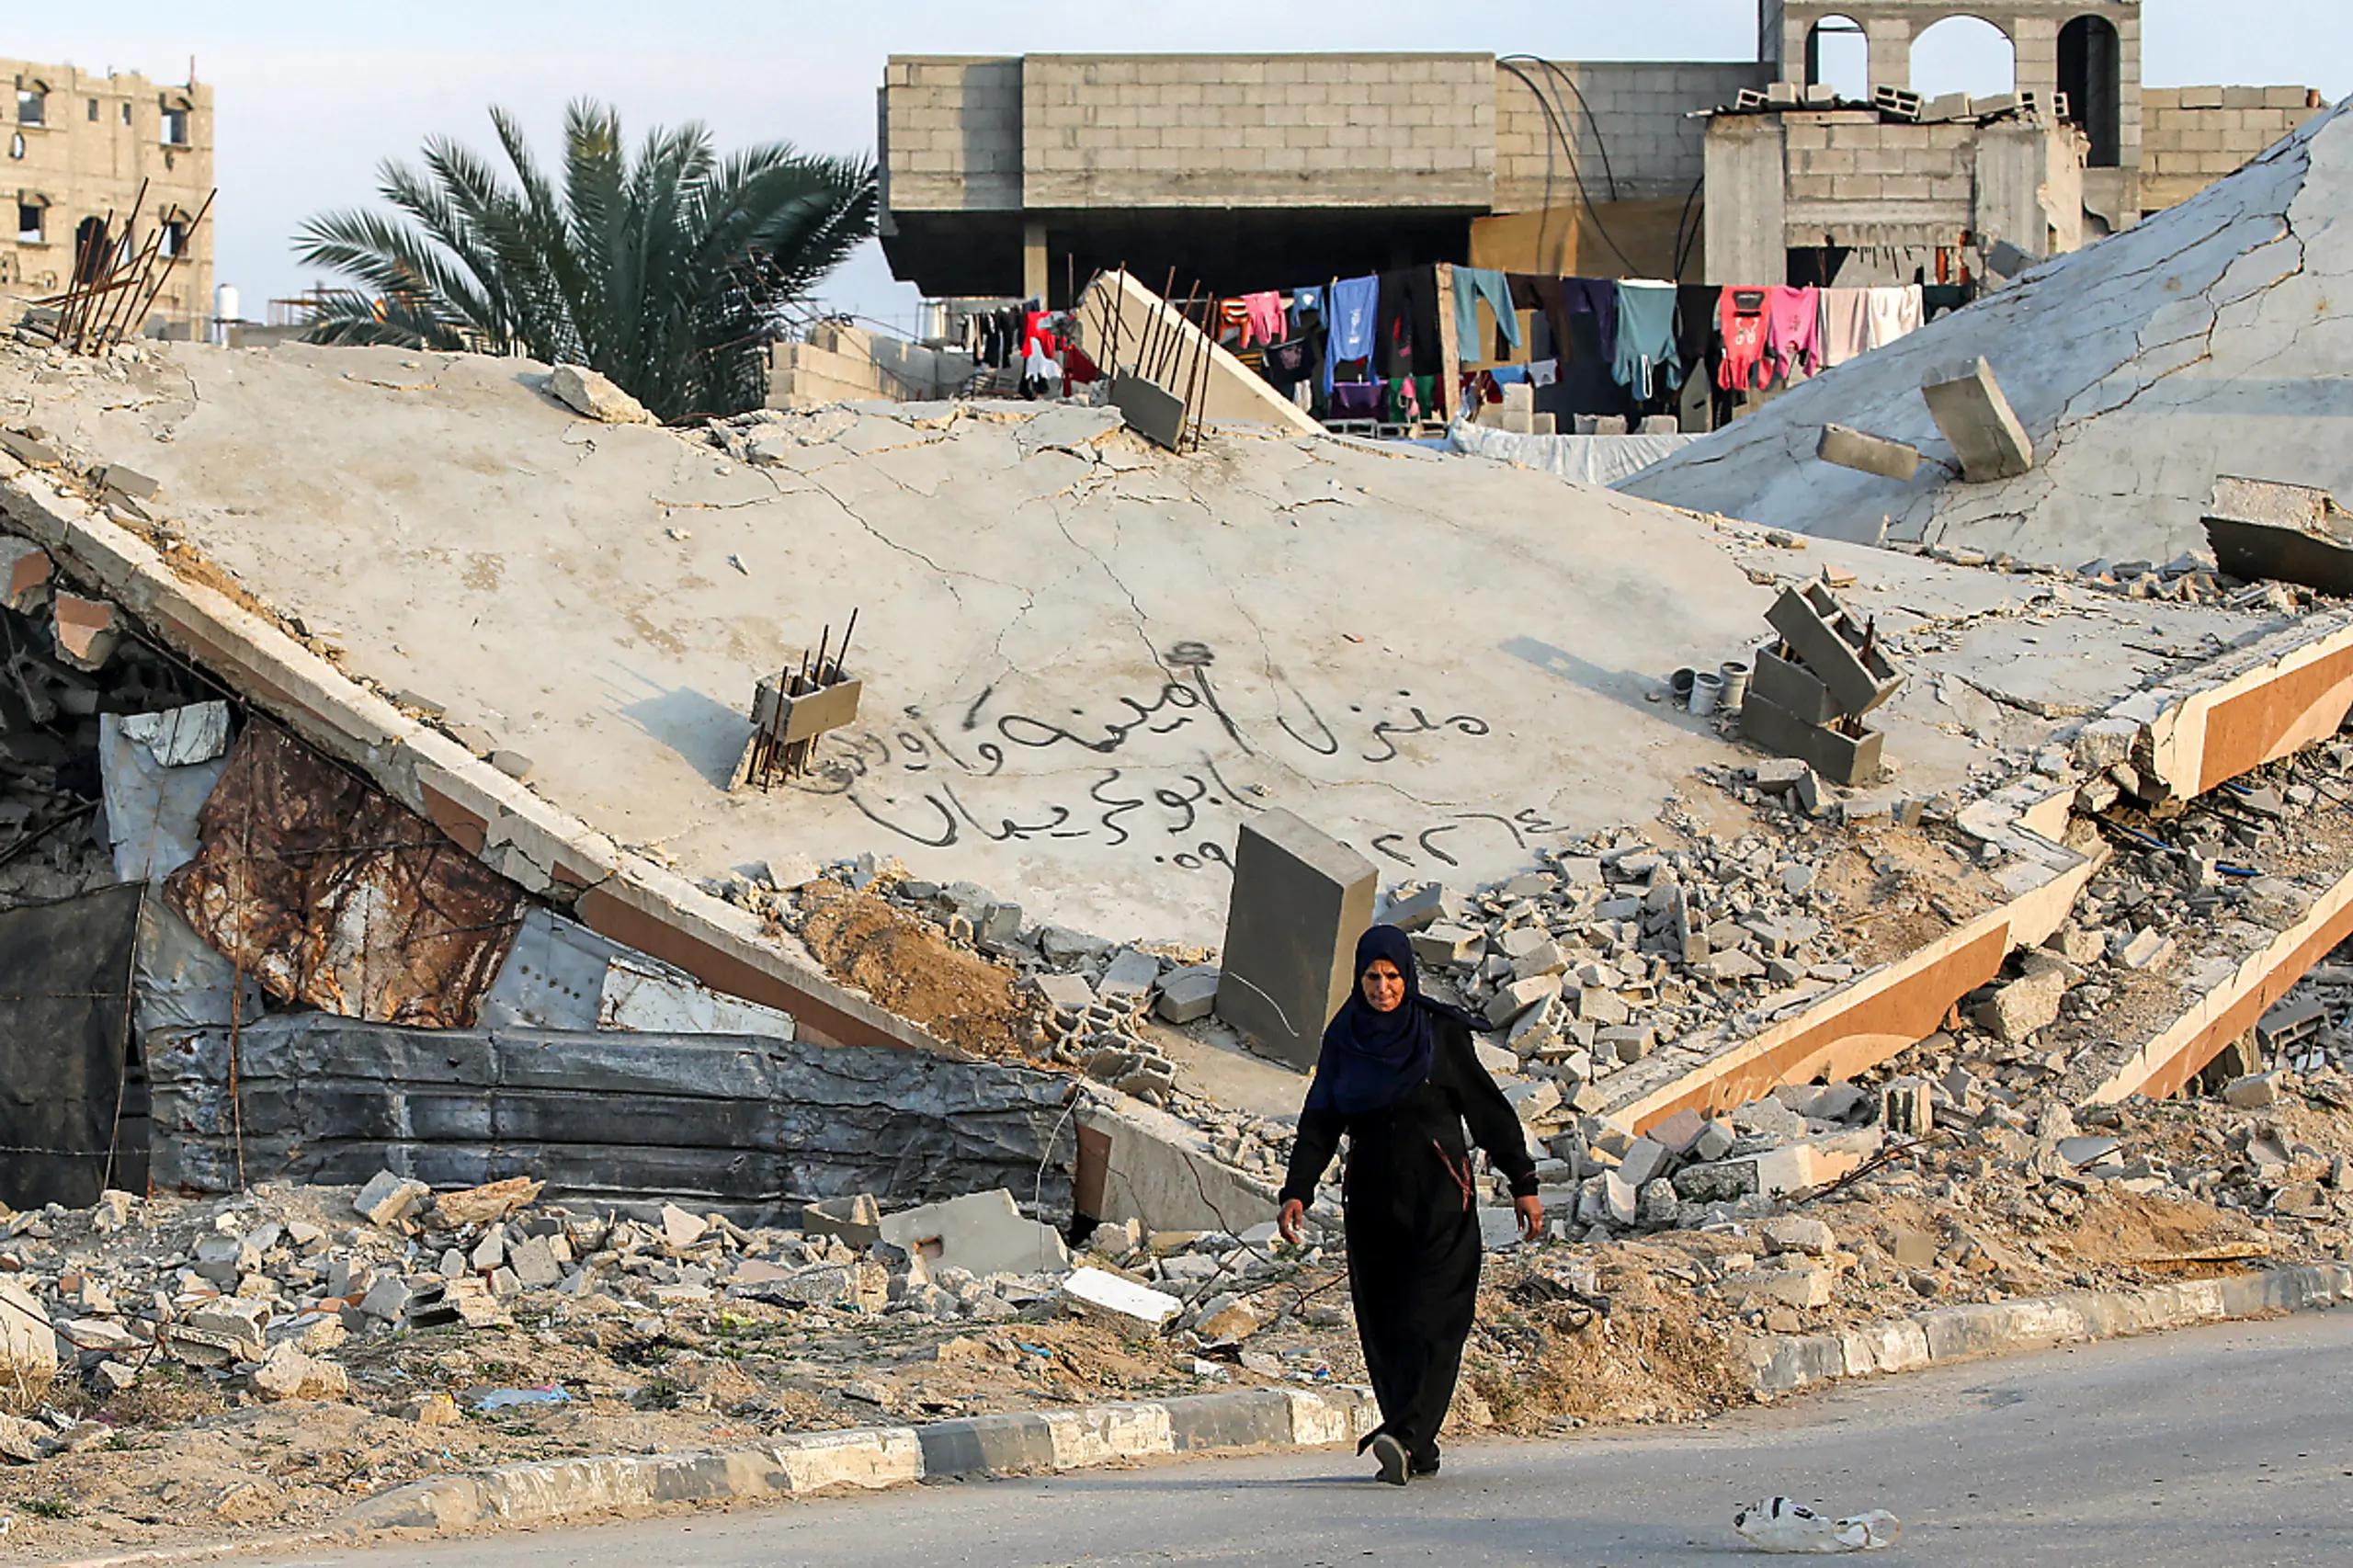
{"points": [[869, 1459]]}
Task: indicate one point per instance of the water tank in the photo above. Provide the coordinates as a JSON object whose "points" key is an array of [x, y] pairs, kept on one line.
{"points": [[225, 304]]}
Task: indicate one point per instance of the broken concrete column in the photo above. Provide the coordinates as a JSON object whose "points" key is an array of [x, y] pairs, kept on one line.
{"points": [[1868, 454], [1299, 901], [982, 1231], [1976, 418]]}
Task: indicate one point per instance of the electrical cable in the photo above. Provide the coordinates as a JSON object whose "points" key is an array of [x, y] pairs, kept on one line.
{"points": [[1567, 144]]}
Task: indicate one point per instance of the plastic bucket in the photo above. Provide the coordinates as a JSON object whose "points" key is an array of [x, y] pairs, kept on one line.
{"points": [[1706, 691], [1679, 683], [1735, 676]]}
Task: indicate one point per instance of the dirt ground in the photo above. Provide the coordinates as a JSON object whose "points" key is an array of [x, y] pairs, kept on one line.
{"points": [[903, 965]]}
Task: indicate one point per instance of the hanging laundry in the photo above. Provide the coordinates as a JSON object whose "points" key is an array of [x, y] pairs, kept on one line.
{"points": [[1793, 330], [1232, 316], [1941, 299], [1543, 372], [1695, 326], [1743, 326], [1508, 375], [1846, 324], [1356, 400], [1473, 284], [1895, 313], [1285, 364], [1262, 318], [1353, 302], [1596, 296], [1408, 321], [1646, 353]]}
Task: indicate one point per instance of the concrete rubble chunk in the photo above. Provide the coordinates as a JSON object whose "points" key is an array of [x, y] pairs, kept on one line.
{"points": [[1128, 978], [1420, 911], [388, 1198], [592, 393], [1444, 944], [1186, 995], [28, 1342], [983, 1232], [2020, 1008], [680, 1229], [287, 1373], [486, 1204], [1868, 454], [1300, 901], [1799, 1233], [2256, 1091], [1806, 1288], [1110, 1298], [1065, 992], [1974, 416]]}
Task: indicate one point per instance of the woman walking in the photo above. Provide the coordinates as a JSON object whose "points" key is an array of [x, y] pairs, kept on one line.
{"points": [[1397, 1074]]}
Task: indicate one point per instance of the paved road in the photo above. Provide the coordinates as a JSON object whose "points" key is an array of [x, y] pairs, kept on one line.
{"points": [[2221, 1448]]}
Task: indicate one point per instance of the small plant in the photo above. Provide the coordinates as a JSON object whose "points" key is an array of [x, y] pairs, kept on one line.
{"points": [[47, 1507]]}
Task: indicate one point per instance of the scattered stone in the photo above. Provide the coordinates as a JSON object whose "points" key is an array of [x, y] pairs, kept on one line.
{"points": [[591, 392], [388, 1198]]}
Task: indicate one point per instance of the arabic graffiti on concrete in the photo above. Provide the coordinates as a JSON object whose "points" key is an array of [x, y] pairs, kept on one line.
{"points": [[929, 786]]}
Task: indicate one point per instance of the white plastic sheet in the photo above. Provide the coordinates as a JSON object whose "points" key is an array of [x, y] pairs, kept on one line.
{"points": [[1589, 460]]}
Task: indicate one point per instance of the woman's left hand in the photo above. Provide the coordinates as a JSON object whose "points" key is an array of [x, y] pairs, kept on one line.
{"points": [[1532, 1216]]}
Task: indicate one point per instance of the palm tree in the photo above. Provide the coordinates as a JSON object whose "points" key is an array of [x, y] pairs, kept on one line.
{"points": [[670, 274]]}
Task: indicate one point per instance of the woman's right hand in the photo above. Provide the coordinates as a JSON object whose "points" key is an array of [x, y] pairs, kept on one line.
{"points": [[1293, 1216]]}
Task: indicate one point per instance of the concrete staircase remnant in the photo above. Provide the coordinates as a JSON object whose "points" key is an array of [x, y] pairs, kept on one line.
{"points": [[1975, 417], [1301, 900]]}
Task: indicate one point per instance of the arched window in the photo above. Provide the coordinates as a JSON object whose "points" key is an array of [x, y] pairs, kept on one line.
{"points": [[89, 250], [177, 113], [1837, 52], [2090, 74], [1964, 54]]}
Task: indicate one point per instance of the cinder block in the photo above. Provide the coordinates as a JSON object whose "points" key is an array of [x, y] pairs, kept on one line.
{"points": [[1299, 901], [2201, 97], [1974, 416], [1869, 454], [1840, 758], [1829, 643]]}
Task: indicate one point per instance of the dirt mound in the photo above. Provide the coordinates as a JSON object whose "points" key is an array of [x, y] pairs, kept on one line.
{"points": [[903, 964]]}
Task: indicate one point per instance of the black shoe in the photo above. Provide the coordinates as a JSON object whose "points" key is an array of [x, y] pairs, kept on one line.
{"points": [[1390, 1454], [1425, 1464]]}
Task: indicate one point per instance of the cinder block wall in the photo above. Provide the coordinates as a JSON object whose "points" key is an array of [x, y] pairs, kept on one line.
{"points": [[1855, 157], [1250, 130], [2190, 137], [1644, 134], [950, 133]]}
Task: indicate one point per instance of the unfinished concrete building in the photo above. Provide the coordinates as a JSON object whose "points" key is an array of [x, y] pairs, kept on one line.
{"points": [[1018, 175], [79, 147]]}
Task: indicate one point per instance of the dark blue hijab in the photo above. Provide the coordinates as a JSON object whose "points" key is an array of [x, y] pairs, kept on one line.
{"points": [[1372, 1060]]}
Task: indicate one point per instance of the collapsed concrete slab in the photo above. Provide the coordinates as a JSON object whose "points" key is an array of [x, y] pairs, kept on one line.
{"points": [[2198, 342]]}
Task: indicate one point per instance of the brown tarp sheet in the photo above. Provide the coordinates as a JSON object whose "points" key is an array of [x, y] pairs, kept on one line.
{"points": [[332, 893]]}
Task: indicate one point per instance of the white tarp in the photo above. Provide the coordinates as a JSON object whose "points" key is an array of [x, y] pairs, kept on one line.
{"points": [[1590, 459]]}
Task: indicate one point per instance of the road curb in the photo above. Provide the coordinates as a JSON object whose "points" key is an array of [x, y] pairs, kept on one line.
{"points": [[1786, 1363], [868, 1459]]}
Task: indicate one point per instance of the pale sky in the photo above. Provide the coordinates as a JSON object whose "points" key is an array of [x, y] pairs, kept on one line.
{"points": [[313, 96]]}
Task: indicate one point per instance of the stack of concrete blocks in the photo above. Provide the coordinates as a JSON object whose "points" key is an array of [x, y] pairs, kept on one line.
{"points": [[1517, 413], [1301, 900], [841, 363], [1807, 697], [2192, 136]]}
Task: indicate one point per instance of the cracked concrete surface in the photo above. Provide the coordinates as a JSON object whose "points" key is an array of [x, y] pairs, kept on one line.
{"points": [[1086, 660], [2214, 338]]}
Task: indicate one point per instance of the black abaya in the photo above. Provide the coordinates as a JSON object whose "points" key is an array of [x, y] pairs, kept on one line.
{"points": [[1413, 1225]]}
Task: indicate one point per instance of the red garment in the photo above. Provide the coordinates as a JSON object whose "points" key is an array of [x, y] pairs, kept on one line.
{"points": [[1793, 330], [1741, 319], [1036, 335]]}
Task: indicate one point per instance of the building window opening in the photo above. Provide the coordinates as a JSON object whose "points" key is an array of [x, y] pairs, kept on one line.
{"points": [[2090, 74], [1964, 54], [126, 114], [31, 218], [175, 128], [17, 145], [89, 250], [32, 106], [174, 236], [94, 111], [1838, 54]]}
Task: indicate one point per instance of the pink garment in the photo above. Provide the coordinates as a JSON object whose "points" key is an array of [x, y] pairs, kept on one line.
{"points": [[1793, 330], [1263, 320], [1846, 324]]}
